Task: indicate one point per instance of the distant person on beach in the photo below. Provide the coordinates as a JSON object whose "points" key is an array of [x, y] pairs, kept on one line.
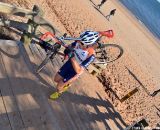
{"points": [[112, 12], [102, 2], [155, 93]]}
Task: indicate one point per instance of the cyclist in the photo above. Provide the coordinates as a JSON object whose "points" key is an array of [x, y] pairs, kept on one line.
{"points": [[81, 54]]}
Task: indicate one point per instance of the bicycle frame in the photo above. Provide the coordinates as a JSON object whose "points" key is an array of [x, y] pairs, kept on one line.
{"points": [[54, 49], [61, 41]]}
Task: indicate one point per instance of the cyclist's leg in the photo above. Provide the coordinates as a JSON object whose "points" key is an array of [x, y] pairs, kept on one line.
{"points": [[64, 77], [65, 73], [60, 82], [60, 86], [58, 78], [67, 81]]}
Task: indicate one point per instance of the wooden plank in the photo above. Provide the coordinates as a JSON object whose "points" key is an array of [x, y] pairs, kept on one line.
{"points": [[129, 95], [4, 119], [52, 66], [24, 89], [36, 58], [48, 115], [93, 70], [12, 111], [60, 116], [76, 113], [65, 118]]}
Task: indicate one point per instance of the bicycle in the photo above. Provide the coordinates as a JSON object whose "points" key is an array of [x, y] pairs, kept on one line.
{"points": [[105, 53]]}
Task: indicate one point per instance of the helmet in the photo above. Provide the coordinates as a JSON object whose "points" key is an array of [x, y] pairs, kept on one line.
{"points": [[89, 37]]}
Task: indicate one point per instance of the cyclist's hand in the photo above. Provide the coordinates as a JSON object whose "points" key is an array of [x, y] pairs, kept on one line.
{"points": [[100, 45], [71, 54], [68, 50]]}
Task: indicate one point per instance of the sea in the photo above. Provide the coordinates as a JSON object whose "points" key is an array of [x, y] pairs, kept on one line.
{"points": [[147, 12]]}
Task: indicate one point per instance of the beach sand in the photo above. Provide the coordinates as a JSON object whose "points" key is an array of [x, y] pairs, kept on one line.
{"points": [[141, 53]]}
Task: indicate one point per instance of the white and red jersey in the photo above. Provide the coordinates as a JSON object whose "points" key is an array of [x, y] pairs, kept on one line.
{"points": [[83, 56]]}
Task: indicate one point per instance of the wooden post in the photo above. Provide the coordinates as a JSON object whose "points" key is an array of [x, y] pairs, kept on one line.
{"points": [[128, 95], [95, 69], [138, 125]]}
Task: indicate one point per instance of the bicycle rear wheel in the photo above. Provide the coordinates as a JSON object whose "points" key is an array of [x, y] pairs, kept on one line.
{"points": [[109, 53]]}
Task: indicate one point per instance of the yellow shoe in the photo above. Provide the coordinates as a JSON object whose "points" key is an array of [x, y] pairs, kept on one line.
{"points": [[65, 88], [55, 95]]}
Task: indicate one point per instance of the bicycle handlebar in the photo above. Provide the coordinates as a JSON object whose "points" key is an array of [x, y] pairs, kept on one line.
{"points": [[108, 33], [60, 40]]}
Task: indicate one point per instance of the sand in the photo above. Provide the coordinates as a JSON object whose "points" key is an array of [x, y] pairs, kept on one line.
{"points": [[141, 54]]}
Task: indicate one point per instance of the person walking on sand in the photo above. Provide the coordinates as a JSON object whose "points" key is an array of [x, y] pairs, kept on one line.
{"points": [[81, 54], [112, 12], [102, 2], [155, 93]]}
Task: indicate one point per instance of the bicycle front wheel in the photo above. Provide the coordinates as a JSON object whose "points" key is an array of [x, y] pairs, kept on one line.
{"points": [[109, 53], [45, 61]]}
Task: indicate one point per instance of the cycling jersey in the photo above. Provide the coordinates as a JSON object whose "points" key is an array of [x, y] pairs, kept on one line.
{"points": [[83, 56]]}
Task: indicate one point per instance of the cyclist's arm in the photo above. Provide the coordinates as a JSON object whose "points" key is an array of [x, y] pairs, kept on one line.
{"points": [[88, 61], [76, 66]]}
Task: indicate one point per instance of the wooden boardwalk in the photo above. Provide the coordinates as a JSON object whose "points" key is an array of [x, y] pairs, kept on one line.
{"points": [[24, 103]]}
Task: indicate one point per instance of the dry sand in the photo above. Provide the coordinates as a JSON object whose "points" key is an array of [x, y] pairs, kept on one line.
{"points": [[141, 53]]}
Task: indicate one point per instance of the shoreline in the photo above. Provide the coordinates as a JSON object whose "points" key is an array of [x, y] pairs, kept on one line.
{"points": [[140, 25], [151, 46], [142, 50]]}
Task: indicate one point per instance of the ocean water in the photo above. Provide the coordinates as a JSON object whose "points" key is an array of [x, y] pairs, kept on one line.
{"points": [[147, 12]]}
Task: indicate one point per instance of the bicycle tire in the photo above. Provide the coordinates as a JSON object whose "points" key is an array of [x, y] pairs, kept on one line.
{"points": [[109, 55], [42, 65], [46, 26], [44, 62]]}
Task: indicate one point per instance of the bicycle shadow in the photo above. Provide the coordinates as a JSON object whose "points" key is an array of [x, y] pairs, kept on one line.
{"points": [[5, 44], [18, 50], [32, 66], [109, 112], [15, 87], [71, 107]]}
